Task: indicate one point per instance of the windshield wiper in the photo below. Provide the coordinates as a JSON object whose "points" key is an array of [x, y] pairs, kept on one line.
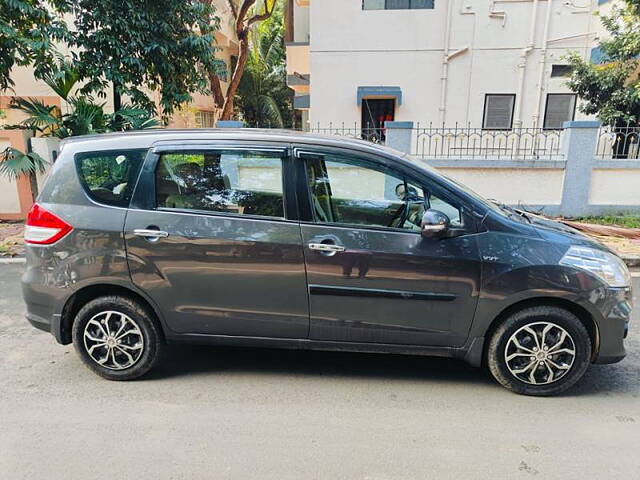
{"points": [[511, 210]]}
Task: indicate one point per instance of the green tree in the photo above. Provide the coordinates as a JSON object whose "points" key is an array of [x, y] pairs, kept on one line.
{"points": [[29, 30], [166, 46], [263, 97], [85, 116], [245, 14], [611, 89]]}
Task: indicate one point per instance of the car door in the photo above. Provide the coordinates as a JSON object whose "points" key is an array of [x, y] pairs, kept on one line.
{"points": [[212, 237], [372, 277]]}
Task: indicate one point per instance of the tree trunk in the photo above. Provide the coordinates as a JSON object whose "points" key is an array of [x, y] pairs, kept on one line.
{"points": [[216, 90], [33, 180], [227, 110], [117, 98]]}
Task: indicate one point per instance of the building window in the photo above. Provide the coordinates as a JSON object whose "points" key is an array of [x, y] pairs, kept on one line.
{"points": [[498, 111], [561, 71], [205, 119], [561, 107], [397, 4]]}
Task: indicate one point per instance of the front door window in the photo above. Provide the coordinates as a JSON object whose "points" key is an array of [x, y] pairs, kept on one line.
{"points": [[354, 192]]}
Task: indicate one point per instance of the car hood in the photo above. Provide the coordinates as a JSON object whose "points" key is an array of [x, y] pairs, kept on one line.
{"points": [[560, 233]]}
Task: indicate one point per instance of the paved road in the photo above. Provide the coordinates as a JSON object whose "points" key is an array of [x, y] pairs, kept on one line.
{"points": [[214, 413]]}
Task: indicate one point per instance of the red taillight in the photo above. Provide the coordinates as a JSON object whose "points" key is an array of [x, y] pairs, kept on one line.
{"points": [[43, 227]]}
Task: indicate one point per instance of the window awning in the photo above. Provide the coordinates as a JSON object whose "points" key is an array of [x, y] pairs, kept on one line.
{"points": [[379, 92], [301, 102]]}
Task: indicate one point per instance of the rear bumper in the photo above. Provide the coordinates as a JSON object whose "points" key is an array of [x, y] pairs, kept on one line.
{"points": [[43, 304], [39, 322], [51, 326]]}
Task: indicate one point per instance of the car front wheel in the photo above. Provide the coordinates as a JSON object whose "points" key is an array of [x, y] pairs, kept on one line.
{"points": [[540, 351]]}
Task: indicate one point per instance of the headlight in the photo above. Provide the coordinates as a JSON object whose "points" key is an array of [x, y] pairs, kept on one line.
{"points": [[610, 268]]}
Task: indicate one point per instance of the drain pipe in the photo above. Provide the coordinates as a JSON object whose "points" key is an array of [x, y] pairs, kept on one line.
{"points": [[543, 63], [445, 64], [522, 65]]}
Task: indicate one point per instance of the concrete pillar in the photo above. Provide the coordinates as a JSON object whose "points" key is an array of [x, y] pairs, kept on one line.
{"points": [[578, 146], [47, 148], [399, 135]]}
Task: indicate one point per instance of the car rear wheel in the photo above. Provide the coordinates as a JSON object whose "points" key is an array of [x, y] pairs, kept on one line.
{"points": [[117, 338], [540, 351]]}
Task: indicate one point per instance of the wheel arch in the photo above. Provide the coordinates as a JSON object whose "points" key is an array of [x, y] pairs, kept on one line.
{"points": [[581, 313], [90, 292]]}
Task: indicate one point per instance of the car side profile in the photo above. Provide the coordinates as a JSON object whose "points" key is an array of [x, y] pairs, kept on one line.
{"points": [[280, 239]]}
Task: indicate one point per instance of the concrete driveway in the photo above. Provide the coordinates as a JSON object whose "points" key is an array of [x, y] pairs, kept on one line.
{"points": [[215, 413]]}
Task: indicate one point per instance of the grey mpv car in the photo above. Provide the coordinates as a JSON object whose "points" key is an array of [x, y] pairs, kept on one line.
{"points": [[278, 239]]}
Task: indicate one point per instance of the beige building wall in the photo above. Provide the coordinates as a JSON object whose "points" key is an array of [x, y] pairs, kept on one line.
{"points": [[9, 200]]}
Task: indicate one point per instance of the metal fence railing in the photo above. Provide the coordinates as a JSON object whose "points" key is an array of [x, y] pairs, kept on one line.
{"points": [[375, 135], [618, 143], [477, 143], [460, 142]]}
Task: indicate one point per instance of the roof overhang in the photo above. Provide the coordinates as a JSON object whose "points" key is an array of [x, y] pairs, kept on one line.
{"points": [[379, 92]]}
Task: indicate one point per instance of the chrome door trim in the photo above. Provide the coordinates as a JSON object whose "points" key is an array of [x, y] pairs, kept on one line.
{"points": [[141, 232]]}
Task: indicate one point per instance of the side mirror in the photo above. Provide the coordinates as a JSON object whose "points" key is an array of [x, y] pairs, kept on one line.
{"points": [[435, 224]]}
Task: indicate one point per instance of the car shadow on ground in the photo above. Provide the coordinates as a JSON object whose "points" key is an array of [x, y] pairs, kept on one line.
{"points": [[188, 360]]}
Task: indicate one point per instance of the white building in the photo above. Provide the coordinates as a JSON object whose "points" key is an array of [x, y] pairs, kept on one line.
{"points": [[492, 64]]}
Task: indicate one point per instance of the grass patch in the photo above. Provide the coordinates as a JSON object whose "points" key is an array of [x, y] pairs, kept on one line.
{"points": [[625, 221]]}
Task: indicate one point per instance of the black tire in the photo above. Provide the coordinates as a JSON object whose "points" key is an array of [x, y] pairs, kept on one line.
{"points": [[147, 329], [497, 351]]}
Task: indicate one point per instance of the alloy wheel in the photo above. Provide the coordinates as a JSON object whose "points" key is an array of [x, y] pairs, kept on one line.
{"points": [[113, 340], [540, 353]]}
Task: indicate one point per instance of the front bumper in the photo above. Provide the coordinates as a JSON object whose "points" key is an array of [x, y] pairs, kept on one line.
{"points": [[615, 306]]}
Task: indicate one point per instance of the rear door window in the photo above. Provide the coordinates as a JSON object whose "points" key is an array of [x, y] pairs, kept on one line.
{"points": [[109, 176], [240, 182]]}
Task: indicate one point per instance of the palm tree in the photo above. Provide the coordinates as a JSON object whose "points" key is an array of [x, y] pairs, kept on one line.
{"points": [[263, 98], [85, 117]]}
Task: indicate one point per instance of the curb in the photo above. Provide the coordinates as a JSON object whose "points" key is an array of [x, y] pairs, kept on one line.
{"points": [[12, 260], [632, 260]]}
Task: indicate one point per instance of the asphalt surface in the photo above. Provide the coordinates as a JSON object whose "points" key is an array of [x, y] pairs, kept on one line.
{"points": [[217, 413]]}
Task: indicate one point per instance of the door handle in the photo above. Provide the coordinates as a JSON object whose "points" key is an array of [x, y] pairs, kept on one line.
{"points": [[150, 234], [328, 249]]}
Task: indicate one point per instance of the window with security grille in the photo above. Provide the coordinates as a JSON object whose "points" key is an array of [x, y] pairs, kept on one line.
{"points": [[397, 4], [559, 71], [498, 111], [561, 107], [205, 119]]}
